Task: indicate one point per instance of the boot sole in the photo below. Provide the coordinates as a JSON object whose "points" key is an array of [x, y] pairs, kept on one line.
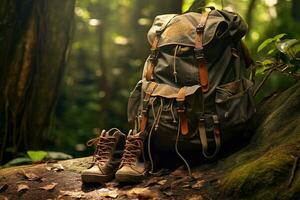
{"points": [[93, 178], [127, 178]]}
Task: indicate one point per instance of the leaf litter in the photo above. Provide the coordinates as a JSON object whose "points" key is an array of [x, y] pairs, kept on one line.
{"points": [[49, 187], [22, 188]]}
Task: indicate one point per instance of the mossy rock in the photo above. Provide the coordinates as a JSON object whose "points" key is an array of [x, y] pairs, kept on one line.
{"points": [[262, 169]]}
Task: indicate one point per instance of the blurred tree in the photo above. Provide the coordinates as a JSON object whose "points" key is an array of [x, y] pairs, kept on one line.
{"points": [[112, 36], [34, 37]]}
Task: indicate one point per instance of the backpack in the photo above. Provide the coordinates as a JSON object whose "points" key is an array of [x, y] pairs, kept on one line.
{"points": [[194, 92]]}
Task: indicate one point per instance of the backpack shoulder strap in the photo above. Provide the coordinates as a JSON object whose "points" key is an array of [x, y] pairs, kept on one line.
{"points": [[154, 50], [199, 54]]}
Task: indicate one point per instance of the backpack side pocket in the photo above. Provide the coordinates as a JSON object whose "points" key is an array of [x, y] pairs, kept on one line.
{"points": [[134, 102], [234, 103]]}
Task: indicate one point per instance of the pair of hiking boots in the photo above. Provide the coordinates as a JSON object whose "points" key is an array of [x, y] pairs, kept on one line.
{"points": [[130, 168]]}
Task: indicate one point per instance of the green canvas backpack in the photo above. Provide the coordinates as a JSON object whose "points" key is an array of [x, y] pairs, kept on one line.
{"points": [[194, 93]]}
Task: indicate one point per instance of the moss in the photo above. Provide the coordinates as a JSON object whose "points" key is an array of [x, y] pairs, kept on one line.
{"points": [[268, 170]]}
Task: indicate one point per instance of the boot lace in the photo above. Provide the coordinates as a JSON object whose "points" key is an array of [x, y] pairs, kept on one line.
{"points": [[133, 148], [104, 147]]}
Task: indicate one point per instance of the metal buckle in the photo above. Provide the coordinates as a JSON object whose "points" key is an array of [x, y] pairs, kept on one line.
{"points": [[200, 28], [180, 106], [153, 55], [199, 53], [158, 32]]}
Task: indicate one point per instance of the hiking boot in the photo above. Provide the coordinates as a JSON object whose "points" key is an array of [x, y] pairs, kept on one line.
{"points": [[104, 163], [133, 167]]}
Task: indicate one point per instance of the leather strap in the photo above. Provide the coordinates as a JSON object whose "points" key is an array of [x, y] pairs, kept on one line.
{"points": [[201, 62], [203, 138], [144, 119], [154, 51], [153, 57], [181, 111]]}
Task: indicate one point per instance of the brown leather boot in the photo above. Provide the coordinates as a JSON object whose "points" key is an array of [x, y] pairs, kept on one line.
{"points": [[133, 167], [104, 163]]}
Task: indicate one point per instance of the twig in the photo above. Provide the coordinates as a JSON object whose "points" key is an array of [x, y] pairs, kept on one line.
{"points": [[293, 171], [263, 81]]}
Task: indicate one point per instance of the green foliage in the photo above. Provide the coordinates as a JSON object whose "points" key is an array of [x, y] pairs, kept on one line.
{"points": [[36, 156], [279, 55], [282, 55], [18, 161], [269, 41]]}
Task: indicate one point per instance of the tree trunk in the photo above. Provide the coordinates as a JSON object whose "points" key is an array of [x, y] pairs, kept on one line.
{"points": [[35, 36]]}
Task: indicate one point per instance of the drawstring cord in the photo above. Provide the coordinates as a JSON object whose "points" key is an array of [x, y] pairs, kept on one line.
{"points": [[156, 118], [174, 63], [176, 149], [172, 112], [160, 109]]}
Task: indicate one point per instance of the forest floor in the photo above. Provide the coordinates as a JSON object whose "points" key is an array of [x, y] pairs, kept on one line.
{"points": [[62, 180], [266, 168]]}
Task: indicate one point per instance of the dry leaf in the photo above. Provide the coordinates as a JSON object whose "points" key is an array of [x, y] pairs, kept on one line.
{"points": [[75, 194], [104, 192], [197, 175], [162, 182], [153, 181], [31, 176], [168, 193], [145, 193], [111, 184], [57, 167], [198, 184], [179, 172], [195, 197], [3, 187], [22, 187], [49, 168], [48, 187]]}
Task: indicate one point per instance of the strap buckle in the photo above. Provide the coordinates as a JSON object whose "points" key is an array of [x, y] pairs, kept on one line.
{"points": [[153, 55], [180, 106], [199, 53], [200, 28], [158, 32]]}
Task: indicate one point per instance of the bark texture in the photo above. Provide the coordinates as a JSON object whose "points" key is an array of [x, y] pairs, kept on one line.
{"points": [[34, 36]]}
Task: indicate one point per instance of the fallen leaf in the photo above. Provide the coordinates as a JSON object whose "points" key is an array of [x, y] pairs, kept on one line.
{"points": [[168, 193], [75, 194], [48, 187], [197, 175], [3, 187], [22, 188], [179, 172], [111, 184], [153, 181], [145, 193], [31, 176], [167, 185], [104, 192], [49, 168], [57, 167], [162, 182], [196, 197], [198, 184]]}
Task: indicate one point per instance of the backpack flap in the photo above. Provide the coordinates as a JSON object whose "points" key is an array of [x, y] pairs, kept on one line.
{"points": [[181, 29]]}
